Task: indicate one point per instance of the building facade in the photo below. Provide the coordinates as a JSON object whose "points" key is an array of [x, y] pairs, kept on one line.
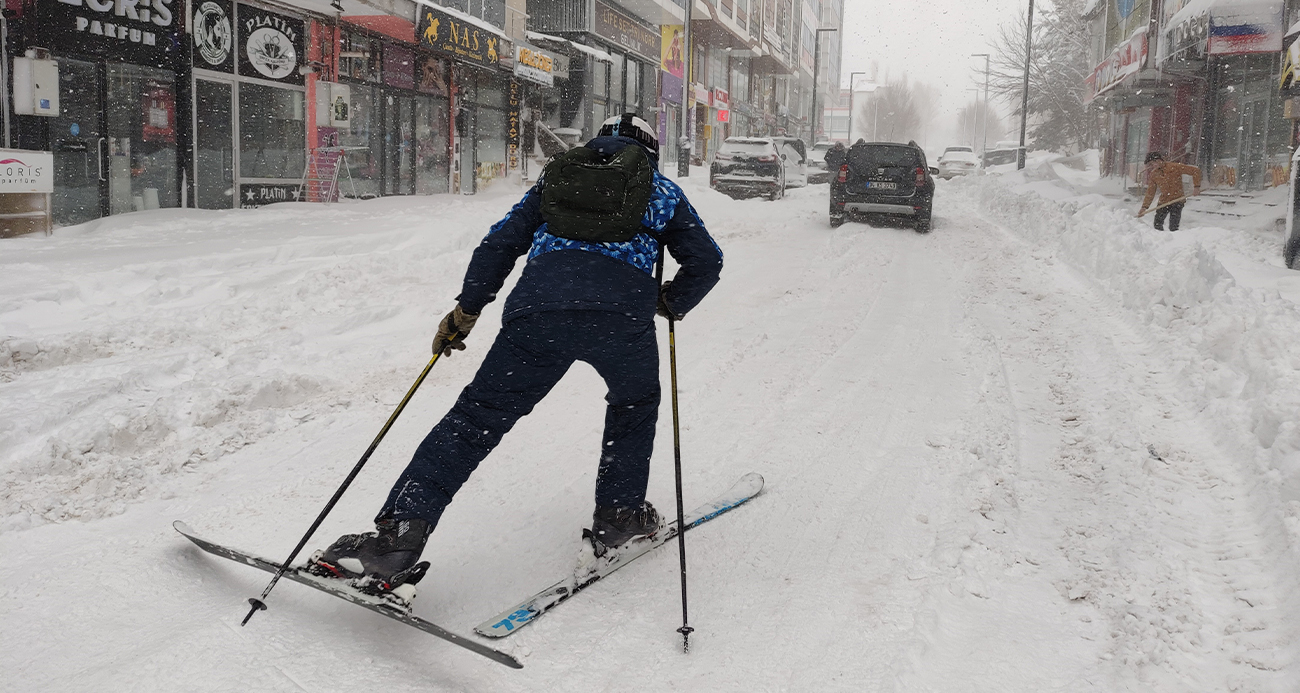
{"points": [[1199, 82], [218, 104]]}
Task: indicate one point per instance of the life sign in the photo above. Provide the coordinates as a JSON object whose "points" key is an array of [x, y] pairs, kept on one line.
{"points": [[452, 36]]}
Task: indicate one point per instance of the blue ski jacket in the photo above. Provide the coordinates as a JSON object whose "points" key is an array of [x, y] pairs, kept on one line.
{"points": [[563, 274]]}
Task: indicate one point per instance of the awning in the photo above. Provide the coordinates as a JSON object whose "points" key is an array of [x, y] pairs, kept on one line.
{"points": [[563, 42]]}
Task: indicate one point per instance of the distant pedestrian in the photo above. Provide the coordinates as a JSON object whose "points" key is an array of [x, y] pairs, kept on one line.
{"points": [[835, 158], [1167, 177]]}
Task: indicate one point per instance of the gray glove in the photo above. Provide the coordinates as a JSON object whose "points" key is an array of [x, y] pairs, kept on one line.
{"points": [[453, 330]]}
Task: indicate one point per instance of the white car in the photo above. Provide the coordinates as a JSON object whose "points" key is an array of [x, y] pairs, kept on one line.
{"points": [[794, 159], [817, 172], [957, 161]]}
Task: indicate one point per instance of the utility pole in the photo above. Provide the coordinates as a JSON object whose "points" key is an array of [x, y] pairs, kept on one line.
{"points": [[984, 111], [851, 76], [684, 148], [1024, 99], [817, 61]]}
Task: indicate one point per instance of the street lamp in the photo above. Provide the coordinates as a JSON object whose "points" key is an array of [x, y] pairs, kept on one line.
{"points": [[817, 61], [851, 76], [985, 111]]}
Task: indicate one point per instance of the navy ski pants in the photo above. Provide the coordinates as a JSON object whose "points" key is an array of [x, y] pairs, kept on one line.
{"points": [[530, 355]]}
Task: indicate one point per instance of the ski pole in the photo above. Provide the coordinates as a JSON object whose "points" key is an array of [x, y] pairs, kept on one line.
{"points": [[257, 602], [686, 629]]}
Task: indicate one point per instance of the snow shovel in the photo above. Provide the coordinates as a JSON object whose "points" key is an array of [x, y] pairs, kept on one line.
{"points": [[1161, 206]]}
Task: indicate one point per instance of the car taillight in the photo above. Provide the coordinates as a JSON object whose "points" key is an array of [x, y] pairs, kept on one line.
{"points": [[722, 156], [767, 158], [920, 176], [844, 174]]}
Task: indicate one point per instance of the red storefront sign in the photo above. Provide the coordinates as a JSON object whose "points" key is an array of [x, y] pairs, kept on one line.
{"points": [[721, 99], [1126, 59], [724, 116]]}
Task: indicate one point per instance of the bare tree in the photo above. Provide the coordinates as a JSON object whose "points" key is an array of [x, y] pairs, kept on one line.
{"points": [[975, 115], [1061, 61], [898, 111]]}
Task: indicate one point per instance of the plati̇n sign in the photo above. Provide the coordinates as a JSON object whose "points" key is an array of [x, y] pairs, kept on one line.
{"points": [[155, 12], [267, 20]]}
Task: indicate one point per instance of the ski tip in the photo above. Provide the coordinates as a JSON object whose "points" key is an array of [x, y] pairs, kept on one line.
{"points": [[180, 526], [753, 480]]}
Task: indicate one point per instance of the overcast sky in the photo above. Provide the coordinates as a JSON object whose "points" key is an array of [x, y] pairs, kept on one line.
{"points": [[930, 41]]}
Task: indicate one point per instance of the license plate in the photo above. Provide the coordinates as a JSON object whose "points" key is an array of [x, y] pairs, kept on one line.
{"points": [[882, 185]]}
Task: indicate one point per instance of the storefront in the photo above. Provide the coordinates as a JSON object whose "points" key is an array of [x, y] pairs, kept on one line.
{"points": [[480, 93], [399, 128], [114, 130], [250, 104]]}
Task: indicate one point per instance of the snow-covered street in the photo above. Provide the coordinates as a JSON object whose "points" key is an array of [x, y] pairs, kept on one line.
{"points": [[1042, 448]]}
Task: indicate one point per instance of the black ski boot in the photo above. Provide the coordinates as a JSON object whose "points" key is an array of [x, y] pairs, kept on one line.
{"points": [[611, 528], [378, 562]]}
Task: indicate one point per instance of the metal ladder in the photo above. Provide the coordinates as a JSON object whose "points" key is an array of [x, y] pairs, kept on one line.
{"points": [[320, 178]]}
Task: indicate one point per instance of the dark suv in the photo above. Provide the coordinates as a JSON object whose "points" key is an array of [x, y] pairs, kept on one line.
{"points": [[748, 166], [883, 178]]}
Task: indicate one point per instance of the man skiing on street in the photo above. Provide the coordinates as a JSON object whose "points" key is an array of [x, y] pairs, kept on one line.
{"points": [[593, 228], [1167, 177]]}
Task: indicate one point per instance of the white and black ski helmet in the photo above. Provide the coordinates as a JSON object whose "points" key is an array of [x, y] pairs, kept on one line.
{"points": [[631, 125]]}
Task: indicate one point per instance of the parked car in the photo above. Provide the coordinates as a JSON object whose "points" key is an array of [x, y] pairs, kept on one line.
{"points": [[794, 155], [1000, 157], [748, 167], [957, 161], [817, 172], [883, 178]]}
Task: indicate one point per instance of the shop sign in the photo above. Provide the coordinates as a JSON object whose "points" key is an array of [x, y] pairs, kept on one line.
{"points": [[1239, 29], [724, 116], [468, 42], [721, 99], [512, 125], [213, 35], [23, 171], [252, 195], [630, 33], [670, 50], [534, 64], [1290, 81], [701, 95], [272, 45], [145, 32], [1126, 59]]}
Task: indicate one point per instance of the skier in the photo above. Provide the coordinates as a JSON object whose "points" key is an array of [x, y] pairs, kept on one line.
{"points": [[1167, 177], [593, 227]]}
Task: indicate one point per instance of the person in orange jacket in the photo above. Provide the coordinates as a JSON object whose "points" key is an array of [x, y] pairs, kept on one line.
{"points": [[1167, 177]]}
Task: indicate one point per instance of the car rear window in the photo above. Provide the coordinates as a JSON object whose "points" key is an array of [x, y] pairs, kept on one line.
{"points": [[1000, 156], [865, 159], [746, 148]]}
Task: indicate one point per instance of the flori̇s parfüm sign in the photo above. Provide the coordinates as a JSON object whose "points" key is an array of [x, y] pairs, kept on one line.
{"points": [[23, 171], [145, 32]]}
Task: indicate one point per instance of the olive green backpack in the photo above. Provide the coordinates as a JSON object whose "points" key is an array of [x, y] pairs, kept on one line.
{"points": [[592, 197]]}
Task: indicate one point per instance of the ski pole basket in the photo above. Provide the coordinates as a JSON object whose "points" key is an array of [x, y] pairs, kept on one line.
{"points": [[320, 178]]}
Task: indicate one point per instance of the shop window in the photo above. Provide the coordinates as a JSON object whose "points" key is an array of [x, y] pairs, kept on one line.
{"points": [[600, 78], [365, 130], [360, 58], [633, 86], [616, 84], [272, 132], [141, 171]]}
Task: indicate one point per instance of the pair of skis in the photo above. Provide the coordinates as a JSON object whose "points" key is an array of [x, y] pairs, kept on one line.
{"points": [[517, 616]]}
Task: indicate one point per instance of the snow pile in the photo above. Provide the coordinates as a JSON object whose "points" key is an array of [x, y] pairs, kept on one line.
{"points": [[1235, 346], [140, 346]]}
